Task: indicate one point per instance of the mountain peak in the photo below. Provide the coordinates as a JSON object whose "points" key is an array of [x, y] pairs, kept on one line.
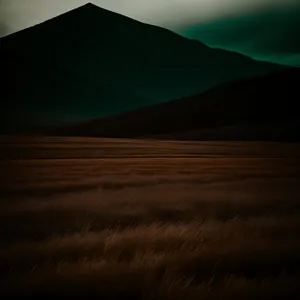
{"points": [[91, 62], [89, 5]]}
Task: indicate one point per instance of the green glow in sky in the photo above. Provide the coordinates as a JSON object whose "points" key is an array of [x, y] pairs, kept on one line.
{"points": [[263, 29], [267, 35]]}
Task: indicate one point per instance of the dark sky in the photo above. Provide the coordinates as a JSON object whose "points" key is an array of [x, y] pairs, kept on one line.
{"points": [[264, 29]]}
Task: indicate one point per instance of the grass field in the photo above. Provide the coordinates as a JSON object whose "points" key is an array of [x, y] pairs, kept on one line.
{"points": [[122, 219]]}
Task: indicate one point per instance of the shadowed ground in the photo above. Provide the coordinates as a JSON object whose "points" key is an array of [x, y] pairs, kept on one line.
{"points": [[133, 219]]}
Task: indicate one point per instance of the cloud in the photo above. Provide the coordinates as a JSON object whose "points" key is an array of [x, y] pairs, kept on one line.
{"points": [[254, 27], [3, 29], [174, 13], [268, 35], [17, 14], [20, 14]]}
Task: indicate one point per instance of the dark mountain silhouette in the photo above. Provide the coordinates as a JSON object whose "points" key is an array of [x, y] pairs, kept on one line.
{"points": [[262, 108], [91, 63]]}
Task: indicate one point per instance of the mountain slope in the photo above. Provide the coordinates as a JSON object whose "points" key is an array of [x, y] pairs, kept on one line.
{"points": [[261, 108], [91, 63]]}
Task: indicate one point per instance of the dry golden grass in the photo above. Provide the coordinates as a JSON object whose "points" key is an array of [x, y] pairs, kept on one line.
{"points": [[120, 219]]}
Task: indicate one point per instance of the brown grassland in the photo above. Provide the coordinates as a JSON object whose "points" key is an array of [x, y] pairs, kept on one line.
{"points": [[142, 219]]}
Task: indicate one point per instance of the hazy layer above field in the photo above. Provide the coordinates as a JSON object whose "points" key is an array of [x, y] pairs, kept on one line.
{"points": [[12, 147], [167, 219]]}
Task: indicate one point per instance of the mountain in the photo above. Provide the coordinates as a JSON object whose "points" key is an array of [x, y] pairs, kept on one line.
{"points": [[261, 108], [91, 63]]}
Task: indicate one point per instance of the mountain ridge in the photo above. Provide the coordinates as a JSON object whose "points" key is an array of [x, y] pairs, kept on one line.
{"points": [[55, 73], [259, 108]]}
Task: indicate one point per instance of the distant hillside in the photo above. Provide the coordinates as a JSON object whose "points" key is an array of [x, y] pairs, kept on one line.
{"points": [[262, 108], [91, 63]]}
